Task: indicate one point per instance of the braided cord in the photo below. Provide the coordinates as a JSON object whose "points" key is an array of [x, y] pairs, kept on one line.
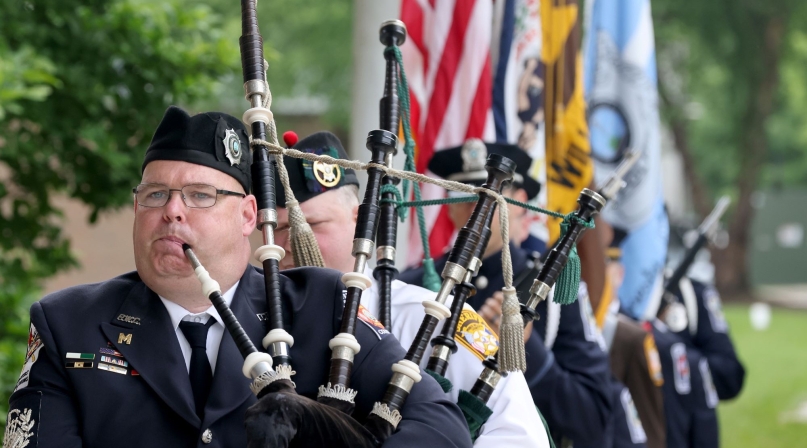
{"points": [[431, 280]]}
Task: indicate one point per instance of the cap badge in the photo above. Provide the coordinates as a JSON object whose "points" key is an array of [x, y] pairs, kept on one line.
{"points": [[327, 174], [474, 154], [232, 147]]}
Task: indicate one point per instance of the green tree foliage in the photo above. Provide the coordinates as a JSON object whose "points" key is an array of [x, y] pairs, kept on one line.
{"points": [[309, 50], [83, 85], [731, 79]]}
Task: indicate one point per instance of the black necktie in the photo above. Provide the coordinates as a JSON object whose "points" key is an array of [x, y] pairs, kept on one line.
{"points": [[201, 375]]}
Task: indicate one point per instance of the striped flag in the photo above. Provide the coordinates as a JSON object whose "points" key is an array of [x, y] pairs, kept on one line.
{"points": [[568, 154], [446, 57], [518, 90], [622, 98]]}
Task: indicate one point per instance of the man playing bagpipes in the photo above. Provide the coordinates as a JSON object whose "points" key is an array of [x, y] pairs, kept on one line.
{"points": [[567, 369], [328, 197], [143, 359]]}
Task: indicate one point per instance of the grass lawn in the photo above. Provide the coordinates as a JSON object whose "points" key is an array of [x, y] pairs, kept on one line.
{"points": [[775, 382]]}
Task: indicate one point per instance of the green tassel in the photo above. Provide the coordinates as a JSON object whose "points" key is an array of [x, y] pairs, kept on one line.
{"points": [[444, 382], [569, 280], [431, 280], [475, 411]]}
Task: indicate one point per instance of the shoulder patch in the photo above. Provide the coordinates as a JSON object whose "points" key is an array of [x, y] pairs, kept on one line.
{"points": [[372, 322], [714, 308], [637, 434], [681, 372], [475, 335], [22, 427], [653, 360], [590, 328], [31, 356], [708, 384]]}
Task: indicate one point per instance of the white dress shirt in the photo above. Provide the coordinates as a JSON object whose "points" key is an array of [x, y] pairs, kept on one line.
{"points": [[515, 422], [214, 333]]}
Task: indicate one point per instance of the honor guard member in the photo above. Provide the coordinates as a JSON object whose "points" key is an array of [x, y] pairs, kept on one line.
{"points": [[635, 360], [567, 368], [691, 420], [143, 359], [707, 331], [328, 196]]}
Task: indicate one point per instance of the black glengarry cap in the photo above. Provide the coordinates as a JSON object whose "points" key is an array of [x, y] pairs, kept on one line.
{"points": [[310, 179], [212, 139]]}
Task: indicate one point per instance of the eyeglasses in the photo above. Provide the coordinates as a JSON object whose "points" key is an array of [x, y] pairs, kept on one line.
{"points": [[193, 195]]}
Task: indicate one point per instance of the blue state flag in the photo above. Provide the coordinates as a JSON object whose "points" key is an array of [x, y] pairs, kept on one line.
{"points": [[621, 92]]}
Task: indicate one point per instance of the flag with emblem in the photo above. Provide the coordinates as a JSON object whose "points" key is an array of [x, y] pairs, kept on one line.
{"points": [[568, 154], [518, 90], [620, 85], [447, 63]]}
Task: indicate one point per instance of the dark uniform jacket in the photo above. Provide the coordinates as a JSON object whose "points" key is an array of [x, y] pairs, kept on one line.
{"points": [[689, 397], [708, 332], [148, 401], [569, 382]]}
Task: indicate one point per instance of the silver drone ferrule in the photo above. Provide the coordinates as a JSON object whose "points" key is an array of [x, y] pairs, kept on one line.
{"points": [[452, 274], [362, 249], [402, 381], [490, 377], [385, 253], [255, 90], [441, 351], [538, 292]]}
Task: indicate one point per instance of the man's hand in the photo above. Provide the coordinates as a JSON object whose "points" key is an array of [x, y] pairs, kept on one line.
{"points": [[491, 311]]}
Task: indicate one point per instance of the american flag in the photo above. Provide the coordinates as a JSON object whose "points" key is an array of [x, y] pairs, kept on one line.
{"points": [[447, 62]]}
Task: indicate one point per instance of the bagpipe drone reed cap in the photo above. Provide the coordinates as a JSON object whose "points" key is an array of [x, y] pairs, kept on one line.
{"points": [[212, 139]]}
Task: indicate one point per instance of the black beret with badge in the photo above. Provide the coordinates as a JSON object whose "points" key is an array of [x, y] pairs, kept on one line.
{"points": [[211, 139], [466, 164], [310, 179]]}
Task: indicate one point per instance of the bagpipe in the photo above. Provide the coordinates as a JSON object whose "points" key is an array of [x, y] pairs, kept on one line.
{"points": [[671, 311], [392, 34], [546, 274]]}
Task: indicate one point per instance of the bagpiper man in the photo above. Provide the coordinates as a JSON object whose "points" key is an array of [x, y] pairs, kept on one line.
{"points": [[328, 197], [143, 359]]}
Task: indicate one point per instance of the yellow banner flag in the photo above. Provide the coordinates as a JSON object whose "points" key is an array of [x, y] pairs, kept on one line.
{"points": [[568, 154]]}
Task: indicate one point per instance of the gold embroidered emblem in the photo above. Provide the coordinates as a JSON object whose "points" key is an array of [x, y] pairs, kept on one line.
{"points": [[18, 429], [327, 174], [475, 334], [653, 360], [125, 338]]}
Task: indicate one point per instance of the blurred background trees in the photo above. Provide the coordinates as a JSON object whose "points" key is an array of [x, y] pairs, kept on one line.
{"points": [[82, 86], [731, 82]]}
